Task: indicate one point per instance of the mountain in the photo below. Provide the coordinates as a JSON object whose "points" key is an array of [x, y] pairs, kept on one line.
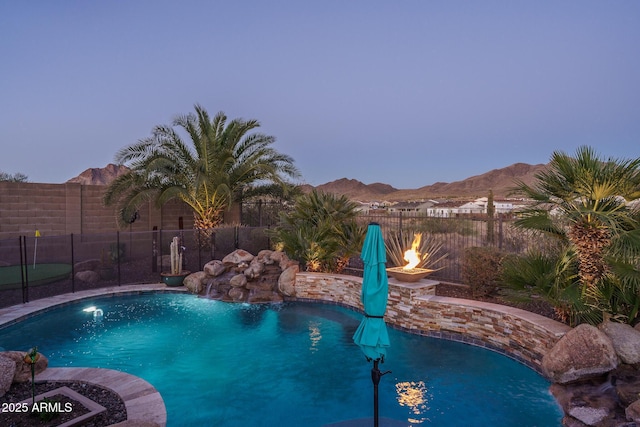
{"points": [[100, 176], [356, 190], [498, 180]]}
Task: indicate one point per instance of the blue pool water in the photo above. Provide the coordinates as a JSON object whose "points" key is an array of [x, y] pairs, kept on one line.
{"points": [[295, 364]]}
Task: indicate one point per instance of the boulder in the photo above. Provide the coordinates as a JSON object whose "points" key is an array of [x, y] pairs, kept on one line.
{"points": [[237, 294], [627, 383], [590, 402], [215, 268], [194, 281], [633, 412], [625, 340], [265, 256], [88, 265], [238, 257], [7, 372], [238, 281], [287, 281], [23, 369], [264, 297], [88, 276], [277, 256], [255, 269], [583, 352]]}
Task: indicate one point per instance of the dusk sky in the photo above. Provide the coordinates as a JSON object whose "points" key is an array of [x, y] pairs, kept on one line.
{"points": [[407, 92]]}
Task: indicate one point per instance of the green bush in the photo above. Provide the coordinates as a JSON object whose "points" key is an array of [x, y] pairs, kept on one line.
{"points": [[321, 232]]}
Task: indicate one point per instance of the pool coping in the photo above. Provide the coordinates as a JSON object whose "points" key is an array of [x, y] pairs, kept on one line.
{"points": [[142, 401]]}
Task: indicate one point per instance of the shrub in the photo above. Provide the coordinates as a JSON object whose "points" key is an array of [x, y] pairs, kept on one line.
{"points": [[481, 269]]}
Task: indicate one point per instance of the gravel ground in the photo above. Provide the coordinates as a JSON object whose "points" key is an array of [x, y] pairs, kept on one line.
{"points": [[463, 291], [115, 412]]}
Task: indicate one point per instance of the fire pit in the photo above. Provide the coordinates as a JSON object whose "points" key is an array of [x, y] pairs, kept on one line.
{"points": [[408, 274]]}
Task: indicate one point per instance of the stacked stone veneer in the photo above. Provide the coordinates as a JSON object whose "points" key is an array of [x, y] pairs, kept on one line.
{"points": [[415, 308]]}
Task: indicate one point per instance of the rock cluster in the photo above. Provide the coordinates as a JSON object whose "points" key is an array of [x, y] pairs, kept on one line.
{"points": [[596, 375], [243, 277], [15, 368]]}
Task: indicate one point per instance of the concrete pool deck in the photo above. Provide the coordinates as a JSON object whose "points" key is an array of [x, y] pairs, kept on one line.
{"points": [[142, 401]]}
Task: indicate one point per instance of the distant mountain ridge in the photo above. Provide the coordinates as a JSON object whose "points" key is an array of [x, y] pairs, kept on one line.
{"points": [[100, 176], [498, 180]]}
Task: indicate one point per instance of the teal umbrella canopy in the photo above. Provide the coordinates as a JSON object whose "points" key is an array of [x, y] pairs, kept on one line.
{"points": [[371, 335]]}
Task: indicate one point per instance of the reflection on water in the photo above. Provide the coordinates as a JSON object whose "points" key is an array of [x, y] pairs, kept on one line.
{"points": [[414, 395], [314, 335]]}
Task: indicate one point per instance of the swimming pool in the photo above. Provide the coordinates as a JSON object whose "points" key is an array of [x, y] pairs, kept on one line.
{"points": [[293, 364]]}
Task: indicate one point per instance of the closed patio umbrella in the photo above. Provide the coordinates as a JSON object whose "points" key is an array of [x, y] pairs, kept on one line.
{"points": [[371, 335]]}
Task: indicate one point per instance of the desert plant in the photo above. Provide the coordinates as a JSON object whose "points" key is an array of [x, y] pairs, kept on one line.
{"points": [[551, 277], [321, 231], [429, 249], [585, 202], [176, 256], [31, 358], [481, 269]]}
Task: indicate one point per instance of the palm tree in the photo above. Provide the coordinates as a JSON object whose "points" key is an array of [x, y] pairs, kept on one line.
{"points": [[321, 231], [585, 202], [223, 162]]}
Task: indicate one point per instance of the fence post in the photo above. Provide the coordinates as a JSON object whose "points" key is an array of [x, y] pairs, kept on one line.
{"points": [[25, 271], [118, 252], [73, 267]]}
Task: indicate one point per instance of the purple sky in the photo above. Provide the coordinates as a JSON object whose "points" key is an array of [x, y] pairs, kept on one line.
{"points": [[403, 92]]}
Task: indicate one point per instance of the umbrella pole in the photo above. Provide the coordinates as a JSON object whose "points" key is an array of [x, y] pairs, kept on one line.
{"points": [[375, 378]]}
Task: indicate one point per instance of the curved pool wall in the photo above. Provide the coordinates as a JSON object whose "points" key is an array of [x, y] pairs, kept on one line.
{"points": [[414, 307]]}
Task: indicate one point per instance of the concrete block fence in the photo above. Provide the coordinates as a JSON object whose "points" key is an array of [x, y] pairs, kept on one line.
{"points": [[415, 308]]}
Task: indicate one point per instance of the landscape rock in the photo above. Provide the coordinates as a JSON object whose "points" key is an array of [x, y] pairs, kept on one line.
{"points": [[589, 402], [625, 340], [255, 269], [88, 276], [287, 281], [583, 352], [627, 383], [633, 412], [7, 372], [238, 281], [238, 257], [194, 281], [22, 368], [237, 294], [215, 268], [87, 265], [264, 256], [264, 296]]}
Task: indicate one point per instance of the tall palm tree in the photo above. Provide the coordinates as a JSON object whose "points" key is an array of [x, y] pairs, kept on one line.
{"points": [[584, 201], [221, 162]]}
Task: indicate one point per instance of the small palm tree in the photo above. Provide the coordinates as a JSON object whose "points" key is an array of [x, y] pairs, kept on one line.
{"points": [[321, 231], [584, 201], [221, 163]]}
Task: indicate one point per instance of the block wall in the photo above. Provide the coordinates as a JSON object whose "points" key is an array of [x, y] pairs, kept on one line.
{"points": [[59, 209]]}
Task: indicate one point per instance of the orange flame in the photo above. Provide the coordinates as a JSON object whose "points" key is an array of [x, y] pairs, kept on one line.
{"points": [[412, 256]]}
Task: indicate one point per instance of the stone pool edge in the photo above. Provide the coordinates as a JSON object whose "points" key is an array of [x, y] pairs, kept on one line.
{"points": [[142, 401]]}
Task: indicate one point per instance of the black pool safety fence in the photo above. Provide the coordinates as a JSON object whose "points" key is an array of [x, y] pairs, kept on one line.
{"points": [[36, 267], [33, 267]]}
